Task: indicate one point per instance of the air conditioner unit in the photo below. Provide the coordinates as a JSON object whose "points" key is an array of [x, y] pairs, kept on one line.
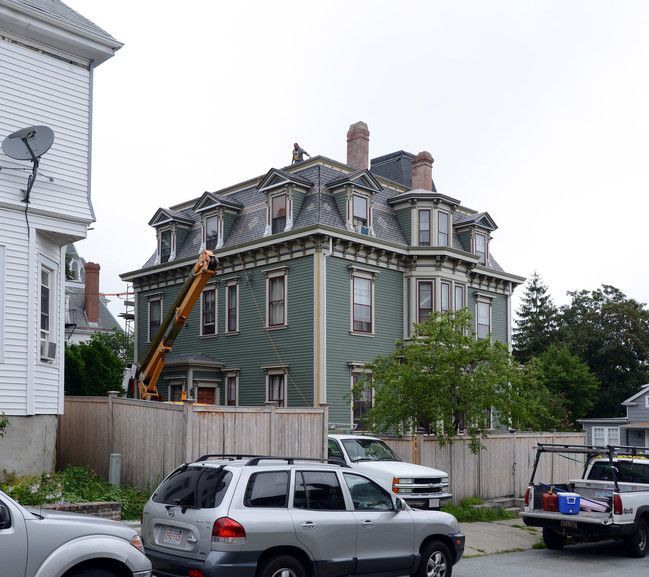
{"points": [[363, 229], [48, 350]]}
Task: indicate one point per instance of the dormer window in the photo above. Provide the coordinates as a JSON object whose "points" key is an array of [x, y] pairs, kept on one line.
{"points": [[211, 232], [278, 213], [360, 212], [165, 245], [481, 247]]}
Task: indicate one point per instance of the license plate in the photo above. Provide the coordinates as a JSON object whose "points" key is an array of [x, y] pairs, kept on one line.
{"points": [[433, 503], [571, 524], [173, 536]]}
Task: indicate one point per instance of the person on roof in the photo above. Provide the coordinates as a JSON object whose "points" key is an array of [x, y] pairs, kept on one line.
{"points": [[298, 153]]}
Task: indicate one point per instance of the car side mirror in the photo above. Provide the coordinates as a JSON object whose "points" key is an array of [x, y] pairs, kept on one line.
{"points": [[399, 505], [5, 517]]}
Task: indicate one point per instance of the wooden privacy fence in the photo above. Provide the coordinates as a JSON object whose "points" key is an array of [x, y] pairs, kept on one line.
{"points": [[502, 470], [154, 438]]}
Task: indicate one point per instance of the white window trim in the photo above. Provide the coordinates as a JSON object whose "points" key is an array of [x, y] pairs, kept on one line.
{"points": [[216, 311], [606, 434], [273, 274], [219, 230], [288, 193], [55, 290], [371, 276], [434, 290]]}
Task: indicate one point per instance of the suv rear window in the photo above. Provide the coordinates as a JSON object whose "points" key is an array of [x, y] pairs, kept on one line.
{"points": [[202, 487]]}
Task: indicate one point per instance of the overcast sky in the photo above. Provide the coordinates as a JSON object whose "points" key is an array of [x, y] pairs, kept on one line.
{"points": [[535, 111]]}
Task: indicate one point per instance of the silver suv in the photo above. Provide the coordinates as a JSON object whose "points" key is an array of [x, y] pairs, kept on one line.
{"points": [[240, 516]]}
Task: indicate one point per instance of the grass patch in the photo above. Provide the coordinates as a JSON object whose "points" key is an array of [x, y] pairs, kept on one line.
{"points": [[73, 485], [470, 510]]}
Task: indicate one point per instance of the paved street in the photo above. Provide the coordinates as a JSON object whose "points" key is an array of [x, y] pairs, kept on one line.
{"points": [[605, 559]]}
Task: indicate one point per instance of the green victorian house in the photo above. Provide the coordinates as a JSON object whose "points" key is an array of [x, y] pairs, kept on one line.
{"points": [[322, 265]]}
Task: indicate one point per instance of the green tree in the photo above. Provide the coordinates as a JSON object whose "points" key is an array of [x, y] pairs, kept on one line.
{"points": [[445, 380], [535, 328], [91, 369], [565, 374], [120, 343], [610, 333], [4, 423]]}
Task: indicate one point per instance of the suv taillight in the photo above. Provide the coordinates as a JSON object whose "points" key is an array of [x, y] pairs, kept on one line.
{"points": [[527, 497], [227, 530]]}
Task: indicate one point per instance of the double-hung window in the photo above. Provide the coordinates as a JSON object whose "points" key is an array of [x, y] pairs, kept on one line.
{"points": [[232, 307], [278, 213], [277, 388], [362, 288], [208, 312], [276, 297], [445, 289], [481, 247], [155, 316], [459, 297], [47, 285], [211, 232], [483, 321], [360, 212], [424, 227], [362, 400], [165, 245], [424, 300], [442, 229], [231, 385]]}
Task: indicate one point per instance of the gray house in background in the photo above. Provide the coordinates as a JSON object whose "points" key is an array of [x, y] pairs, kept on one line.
{"points": [[631, 430]]}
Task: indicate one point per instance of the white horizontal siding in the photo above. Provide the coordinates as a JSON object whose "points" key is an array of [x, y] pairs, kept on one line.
{"points": [[39, 89]]}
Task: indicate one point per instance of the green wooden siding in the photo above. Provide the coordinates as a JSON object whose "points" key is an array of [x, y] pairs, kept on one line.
{"points": [[251, 349], [228, 221], [344, 348], [499, 312], [298, 199]]}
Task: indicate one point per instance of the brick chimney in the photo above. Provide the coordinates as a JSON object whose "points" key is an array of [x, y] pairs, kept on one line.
{"points": [[92, 292], [422, 171], [358, 146]]}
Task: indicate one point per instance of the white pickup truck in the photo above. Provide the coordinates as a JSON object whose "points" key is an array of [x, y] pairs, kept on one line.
{"points": [[610, 501], [53, 544], [421, 487]]}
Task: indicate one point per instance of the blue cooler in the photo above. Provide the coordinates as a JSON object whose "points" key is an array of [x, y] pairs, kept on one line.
{"points": [[568, 503]]}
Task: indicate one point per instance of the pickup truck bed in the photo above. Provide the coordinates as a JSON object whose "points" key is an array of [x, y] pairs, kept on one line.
{"points": [[606, 508]]}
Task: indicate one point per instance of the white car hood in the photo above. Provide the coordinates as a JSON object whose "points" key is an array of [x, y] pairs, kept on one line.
{"points": [[401, 468]]}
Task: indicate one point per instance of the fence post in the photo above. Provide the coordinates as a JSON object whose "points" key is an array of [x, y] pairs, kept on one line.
{"points": [[271, 427], [111, 396], [325, 429], [188, 423]]}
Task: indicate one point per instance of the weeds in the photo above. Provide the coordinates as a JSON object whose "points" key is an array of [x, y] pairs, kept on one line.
{"points": [[73, 485], [470, 510]]}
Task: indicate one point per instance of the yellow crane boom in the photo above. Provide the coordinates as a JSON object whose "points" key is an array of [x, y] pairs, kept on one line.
{"points": [[145, 374]]}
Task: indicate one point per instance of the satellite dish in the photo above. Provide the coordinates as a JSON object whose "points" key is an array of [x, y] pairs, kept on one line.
{"points": [[28, 143]]}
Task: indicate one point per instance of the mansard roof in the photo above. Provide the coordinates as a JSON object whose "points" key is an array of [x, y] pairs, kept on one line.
{"points": [[361, 179]]}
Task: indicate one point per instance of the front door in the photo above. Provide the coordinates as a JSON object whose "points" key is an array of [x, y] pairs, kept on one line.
{"points": [[205, 395]]}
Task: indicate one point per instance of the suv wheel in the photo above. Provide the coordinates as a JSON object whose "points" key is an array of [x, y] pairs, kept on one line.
{"points": [[282, 566], [435, 561]]}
